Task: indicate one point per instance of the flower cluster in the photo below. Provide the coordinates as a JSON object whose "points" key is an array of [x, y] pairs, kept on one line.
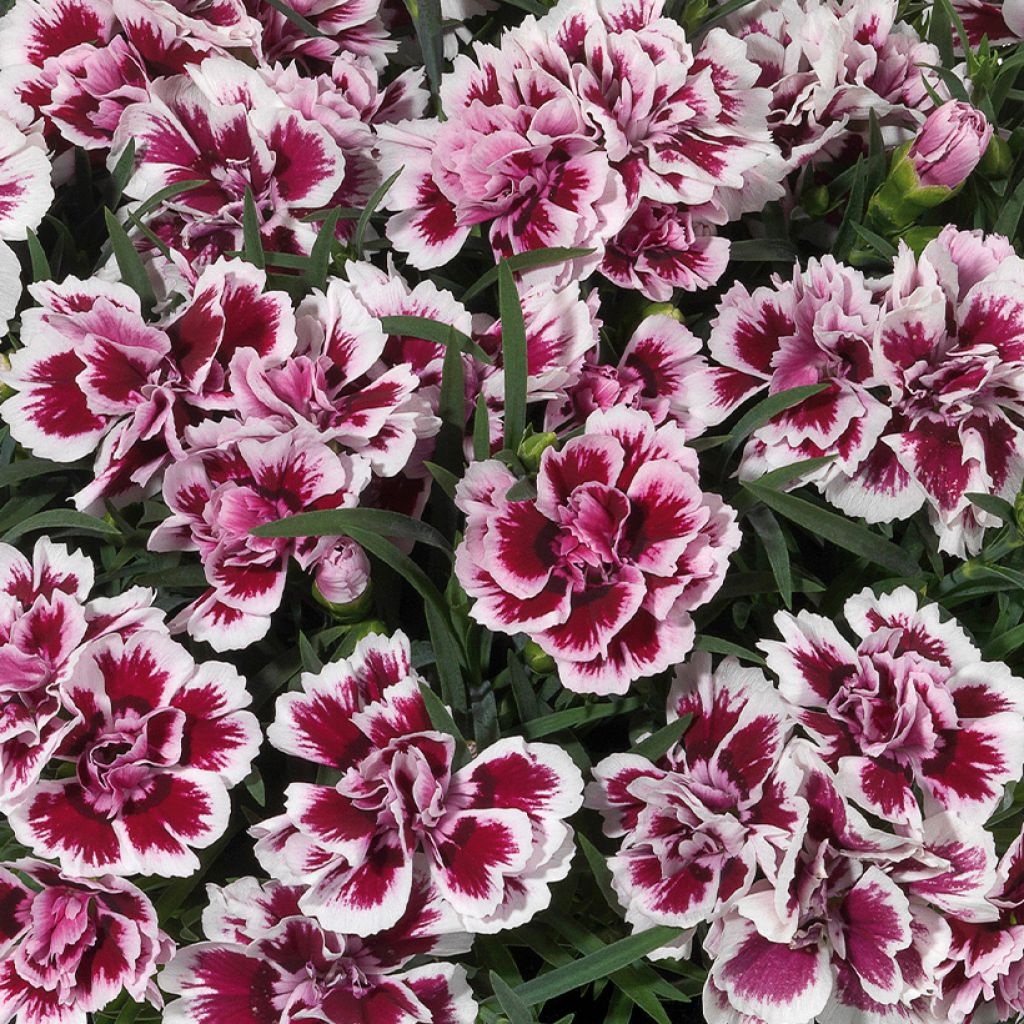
{"points": [[756, 822]]}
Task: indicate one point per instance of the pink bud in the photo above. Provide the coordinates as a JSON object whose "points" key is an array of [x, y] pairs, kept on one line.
{"points": [[949, 145]]}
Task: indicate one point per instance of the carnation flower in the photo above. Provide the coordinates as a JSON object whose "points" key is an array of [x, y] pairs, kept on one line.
{"points": [[236, 477], [93, 375], [155, 742], [950, 349], [697, 824], [222, 124], [662, 371], [830, 65], [834, 935], [46, 618], [817, 328], [1000, 21], [71, 946], [268, 963], [491, 835], [25, 196], [660, 248], [604, 566], [912, 707]]}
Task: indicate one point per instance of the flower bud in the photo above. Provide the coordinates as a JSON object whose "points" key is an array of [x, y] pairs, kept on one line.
{"points": [[949, 145], [533, 447], [998, 159], [663, 309], [343, 582], [538, 660]]}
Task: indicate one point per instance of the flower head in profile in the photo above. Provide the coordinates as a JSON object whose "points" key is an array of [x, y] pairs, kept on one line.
{"points": [[71, 946], [604, 566], [490, 836]]}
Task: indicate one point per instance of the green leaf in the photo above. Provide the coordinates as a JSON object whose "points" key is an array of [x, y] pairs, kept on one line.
{"points": [[481, 430], [598, 864], [537, 728], [133, 273], [762, 250], [372, 204], [447, 661], [515, 1009], [435, 331], [319, 262], [987, 502], [768, 408], [163, 196], [531, 260], [40, 264], [60, 519], [444, 478], [884, 248], [122, 172], [252, 241], [513, 353], [853, 212], [338, 521], [664, 739], [595, 966], [26, 469], [768, 531], [846, 533], [1009, 216], [426, 16], [715, 645], [523, 693], [440, 716]]}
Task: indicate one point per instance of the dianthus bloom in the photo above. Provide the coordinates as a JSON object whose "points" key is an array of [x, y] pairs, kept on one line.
{"points": [[912, 708], [491, 836], [236, 477], [70, 946], [662, 371], [698, 823], [155, 742], [830, 65], [45, 618], [223, 125], [840, 934], [949, 145], [25, 196], [93, 376], [951, 351], [266, 962], [604, 566], [556, 136]]}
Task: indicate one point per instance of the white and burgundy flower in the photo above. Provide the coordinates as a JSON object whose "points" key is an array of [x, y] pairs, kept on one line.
{"points": [[236, 477], [170, 36], [679, 126], [71, 946], [92, 375], [817, 328], [156, 741], [698, 823], [661, 248], [514, 154], [833, 936], [221, 123], [662, 371], [339, 383], [343, 27], [25, 196], [603, 568], [266, 962], [1000, 21], [45, 618], [950, 348], [830, 65], [912, 706], [491, 835]]}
